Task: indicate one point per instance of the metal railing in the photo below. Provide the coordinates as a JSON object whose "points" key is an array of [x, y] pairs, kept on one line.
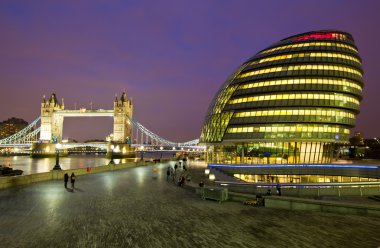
{"points": [[300, 185]]}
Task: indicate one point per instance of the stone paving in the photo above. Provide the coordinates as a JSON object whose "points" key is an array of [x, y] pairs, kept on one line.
{"points": [[129, 208]]}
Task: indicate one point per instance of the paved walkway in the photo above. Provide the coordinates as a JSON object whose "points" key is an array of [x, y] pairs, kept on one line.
{"points": [[130, 209]]}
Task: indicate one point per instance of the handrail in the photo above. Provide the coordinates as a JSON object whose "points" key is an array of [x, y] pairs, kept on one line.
{"points": [[291, 185]]}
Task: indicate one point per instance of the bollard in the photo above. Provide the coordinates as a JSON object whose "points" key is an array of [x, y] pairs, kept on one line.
{"points": [[88, 169]]}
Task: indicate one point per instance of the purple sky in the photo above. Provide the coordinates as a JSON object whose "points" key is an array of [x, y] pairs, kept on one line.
{"points": [[170, 56]]}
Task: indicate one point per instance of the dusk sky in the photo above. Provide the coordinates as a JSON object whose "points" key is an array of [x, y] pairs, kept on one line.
{"points": [[170, 56]]}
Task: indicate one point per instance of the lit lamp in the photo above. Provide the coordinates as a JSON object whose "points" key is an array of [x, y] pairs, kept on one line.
{"points": [[211, 177], [57, 166], [161, 148], [207, 171], [142, 152], [112, 147]]}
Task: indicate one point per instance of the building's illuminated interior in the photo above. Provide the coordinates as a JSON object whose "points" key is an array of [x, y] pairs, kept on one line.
{"points": [[292, 102]]}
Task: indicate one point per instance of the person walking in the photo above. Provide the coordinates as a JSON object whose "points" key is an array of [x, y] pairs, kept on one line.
{"points": [[175, 167], [172, 171], [168, 173], [72, 178], [181, 180], [278, 187], [66, 179]]}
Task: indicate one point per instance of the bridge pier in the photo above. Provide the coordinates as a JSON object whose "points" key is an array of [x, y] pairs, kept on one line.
{"points": [[45, 150], [117, 150]]}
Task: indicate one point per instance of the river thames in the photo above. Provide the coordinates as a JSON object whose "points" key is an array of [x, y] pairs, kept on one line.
{"points": [[40, 165]]}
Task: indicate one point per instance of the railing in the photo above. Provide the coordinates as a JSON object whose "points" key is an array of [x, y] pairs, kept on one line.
{"points": [[306, 189], [300, 185]]}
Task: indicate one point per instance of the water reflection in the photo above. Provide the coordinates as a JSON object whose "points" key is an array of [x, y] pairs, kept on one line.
{"points": [[39, 165]]}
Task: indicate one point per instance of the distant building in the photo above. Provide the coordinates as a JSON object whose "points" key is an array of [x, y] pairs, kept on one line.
{"points": [[11, 126], [372, 148], [357, 140]]}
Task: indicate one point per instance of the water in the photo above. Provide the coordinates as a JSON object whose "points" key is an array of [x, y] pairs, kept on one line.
{"points": [[40, 165]]}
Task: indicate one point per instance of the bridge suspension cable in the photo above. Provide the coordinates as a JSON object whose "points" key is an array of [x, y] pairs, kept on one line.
{"points": [[156, 139], [29, 134]]}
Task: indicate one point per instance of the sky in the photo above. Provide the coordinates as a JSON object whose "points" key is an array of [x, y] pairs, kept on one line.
{"points": [[170, 56]]}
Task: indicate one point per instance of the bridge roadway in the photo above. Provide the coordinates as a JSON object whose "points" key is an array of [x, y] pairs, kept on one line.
{"points": [[130, 209], [85, 113]]}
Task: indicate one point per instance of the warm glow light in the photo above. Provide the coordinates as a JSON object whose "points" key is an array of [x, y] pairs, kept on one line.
{"points": [[173, 148], [302, 67], [296, 96], [211, 177], [207, 171], [58, 146], [141, 147], [310, 45], [161, 148]]}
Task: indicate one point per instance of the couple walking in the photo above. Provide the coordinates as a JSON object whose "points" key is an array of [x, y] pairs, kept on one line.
{"points": [[72, 179]]}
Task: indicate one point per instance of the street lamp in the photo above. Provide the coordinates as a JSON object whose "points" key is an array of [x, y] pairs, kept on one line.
{"points": [[112, 147], [57, 166], [142, 152], [161, 148]]}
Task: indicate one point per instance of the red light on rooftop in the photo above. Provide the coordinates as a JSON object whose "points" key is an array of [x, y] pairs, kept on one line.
{"points": [[318, 36]]}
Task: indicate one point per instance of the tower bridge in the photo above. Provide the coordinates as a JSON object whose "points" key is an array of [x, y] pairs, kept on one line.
{"points": [[43, 134], [53, 113]]}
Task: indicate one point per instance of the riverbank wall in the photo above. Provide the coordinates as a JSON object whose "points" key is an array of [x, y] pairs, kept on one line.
{"points": [[14, 181]]}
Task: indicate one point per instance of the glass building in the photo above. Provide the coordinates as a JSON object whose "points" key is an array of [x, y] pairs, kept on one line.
{"points": [[291, 103]]}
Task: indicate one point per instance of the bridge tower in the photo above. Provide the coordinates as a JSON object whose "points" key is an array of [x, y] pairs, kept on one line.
{"points": [[51, 124], [122, 127]]}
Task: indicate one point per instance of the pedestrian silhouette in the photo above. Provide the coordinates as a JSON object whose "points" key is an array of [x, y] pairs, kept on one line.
{"points": [[72, 178], [66, 179], [278, 187], [181, 180], [167, 173]]}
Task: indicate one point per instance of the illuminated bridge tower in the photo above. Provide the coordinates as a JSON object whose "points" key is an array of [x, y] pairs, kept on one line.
{"points": [[122, 127], [290, 103], [51, 124]]}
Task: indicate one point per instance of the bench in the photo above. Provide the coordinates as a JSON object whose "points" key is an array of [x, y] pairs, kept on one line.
{"points": [[214, 193]]}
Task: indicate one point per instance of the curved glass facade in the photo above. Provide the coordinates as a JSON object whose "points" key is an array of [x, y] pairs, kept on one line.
{"points": [[290, 103]]}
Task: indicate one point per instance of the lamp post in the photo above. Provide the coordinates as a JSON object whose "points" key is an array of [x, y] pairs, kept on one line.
{"points": [[57, 166], [161, 148], [112, 147], [142, 152]]}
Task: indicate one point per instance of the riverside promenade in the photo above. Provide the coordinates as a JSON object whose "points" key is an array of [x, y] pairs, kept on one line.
{"points": [[128, 208]]}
